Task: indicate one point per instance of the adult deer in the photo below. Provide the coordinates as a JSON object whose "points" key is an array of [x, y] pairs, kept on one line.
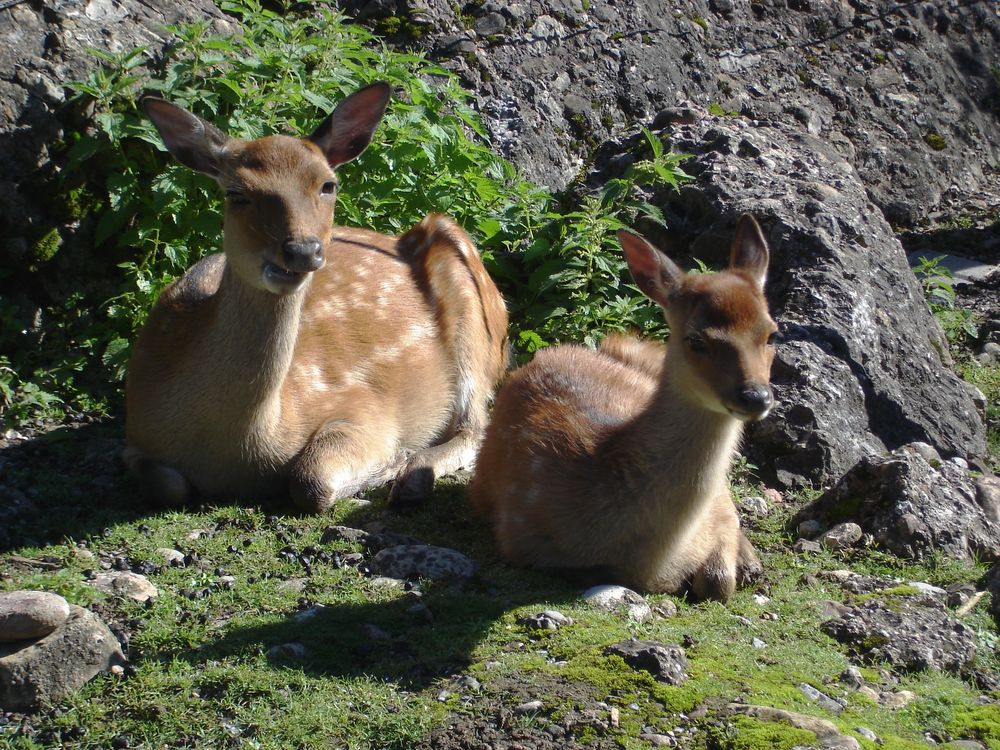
{"points": [[305, 357], [616, 460]]}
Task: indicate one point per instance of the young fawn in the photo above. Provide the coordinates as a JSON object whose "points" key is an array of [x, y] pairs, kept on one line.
{"points": [[614, 461], [308, 358]]}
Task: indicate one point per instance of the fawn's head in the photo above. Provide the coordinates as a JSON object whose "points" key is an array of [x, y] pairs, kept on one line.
{"points": [[280, 191], [722, 337]]}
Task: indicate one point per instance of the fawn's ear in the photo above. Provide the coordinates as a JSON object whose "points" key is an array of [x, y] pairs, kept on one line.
{"points": [[346, 133], [193, 142], [654, 273], [749, 252]]}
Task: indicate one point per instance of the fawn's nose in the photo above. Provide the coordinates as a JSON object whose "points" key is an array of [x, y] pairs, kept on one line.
{"points": [[302, 256], [756, 399]]}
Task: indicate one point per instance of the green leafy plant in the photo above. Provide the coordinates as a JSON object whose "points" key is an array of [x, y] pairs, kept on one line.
{"points": [[936, 282], [143, 219]]}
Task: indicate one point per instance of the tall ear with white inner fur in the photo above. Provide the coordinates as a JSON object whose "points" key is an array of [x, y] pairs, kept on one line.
{"points": [[749, 252], [192, 141], [654, 273], [346, 133]]}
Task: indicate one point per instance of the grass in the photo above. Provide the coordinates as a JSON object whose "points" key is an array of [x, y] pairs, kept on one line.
{"points": [[203, 674]]}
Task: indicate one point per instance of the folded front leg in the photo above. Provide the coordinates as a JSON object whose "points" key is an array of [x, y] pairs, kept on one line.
{"points": [[342, 458]]}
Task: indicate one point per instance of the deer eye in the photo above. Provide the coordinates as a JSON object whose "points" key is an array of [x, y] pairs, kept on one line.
{"points": [[328, 188], [696, 343], [774, 338], [236, 198]]}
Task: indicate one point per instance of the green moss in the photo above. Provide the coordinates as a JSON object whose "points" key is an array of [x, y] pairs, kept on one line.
{"points": [[745, 733], [936, 141], [46, 246], [700, 20], [879, 58], [714, 108], [977, 722]]}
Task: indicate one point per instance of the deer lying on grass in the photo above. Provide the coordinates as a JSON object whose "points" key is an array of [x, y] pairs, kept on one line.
{"points": [[305, 357], [616, 460]]}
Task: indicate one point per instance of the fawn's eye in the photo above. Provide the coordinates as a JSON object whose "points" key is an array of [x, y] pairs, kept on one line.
{"points": [[328, 188], [697, 343], [236, 198]]}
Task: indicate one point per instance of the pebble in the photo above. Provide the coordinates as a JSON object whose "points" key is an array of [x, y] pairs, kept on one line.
{"points": [[852, 677], [758, 643], [803, 546], [869, 692], [550, 619], [126, 584], [665, 609], [820, 697], [30, 614], [755, 505], [658, 740], [292, 586], [868, 734], [170, 556], [774, 496], [308, 613], [410, 561], [809, 528], [618, 599], [842, 536], [898, 699], [287, 651], [529, 707]]}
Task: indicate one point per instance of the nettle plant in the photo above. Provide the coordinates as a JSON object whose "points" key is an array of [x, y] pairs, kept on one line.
{"points": [[284, 71]]}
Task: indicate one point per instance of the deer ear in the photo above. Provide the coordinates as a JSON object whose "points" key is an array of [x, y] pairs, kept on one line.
{"points": [[346, 133], [654, 273], [193, 142], [749, 252]]}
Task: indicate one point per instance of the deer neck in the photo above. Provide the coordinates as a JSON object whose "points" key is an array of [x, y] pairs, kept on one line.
{"points": [[255, 333], [684, 449]]}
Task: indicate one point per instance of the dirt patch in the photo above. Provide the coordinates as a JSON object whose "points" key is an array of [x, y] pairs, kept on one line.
{"points": [[526, 711]]}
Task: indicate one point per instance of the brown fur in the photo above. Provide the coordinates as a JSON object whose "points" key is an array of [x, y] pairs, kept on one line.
{"points": [[380, 364], [616, 459]]}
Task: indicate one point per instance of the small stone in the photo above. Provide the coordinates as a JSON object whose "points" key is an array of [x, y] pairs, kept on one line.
{"points": [[755, 505], [287, 651], [309, 613], [665, 609], [924, 450], [490, 24], [965, 745], [196, 534], [898, 699], [548, 620], [868, 734], [852, 677], [125, 584], [30, 614], [760, 600], [619, 599], [469, 683], [530, 707], [343, 534], [809, 528], [928, 589], [292, 586], [170, 556], [758, 643], [658, 740], [386, 582], [773, 496], [806, 546], [820, 697], [226, 582], [614, 717], [842, 536], [870, 693]]}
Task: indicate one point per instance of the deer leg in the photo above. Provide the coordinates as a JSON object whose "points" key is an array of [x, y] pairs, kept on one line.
{"points": [[162, 485], [341, 459], [748, 567], [715, 576], [415, 481]]}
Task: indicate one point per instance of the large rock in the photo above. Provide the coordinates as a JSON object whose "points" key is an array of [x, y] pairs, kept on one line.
{"points": [[48, 669], [909, 636], [914, 507], [412, 561], [904, 92], [30, 614], [850, 308]]}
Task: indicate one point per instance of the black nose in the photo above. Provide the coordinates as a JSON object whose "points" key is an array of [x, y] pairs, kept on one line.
{"points": [[756, 398], [304, 255]]}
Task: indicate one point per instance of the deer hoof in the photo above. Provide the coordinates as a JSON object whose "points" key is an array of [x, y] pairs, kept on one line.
{"points": [[412, 488]]}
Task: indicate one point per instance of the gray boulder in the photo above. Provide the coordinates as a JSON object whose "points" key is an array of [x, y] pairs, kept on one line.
{"points": [[411, 561], [910, 636], [48, 669], [666, 663], [30, 614], [912, 508]]}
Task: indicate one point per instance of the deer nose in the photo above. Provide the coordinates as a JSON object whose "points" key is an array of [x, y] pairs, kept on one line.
{"points": [[302, 256], [756, 398]]}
